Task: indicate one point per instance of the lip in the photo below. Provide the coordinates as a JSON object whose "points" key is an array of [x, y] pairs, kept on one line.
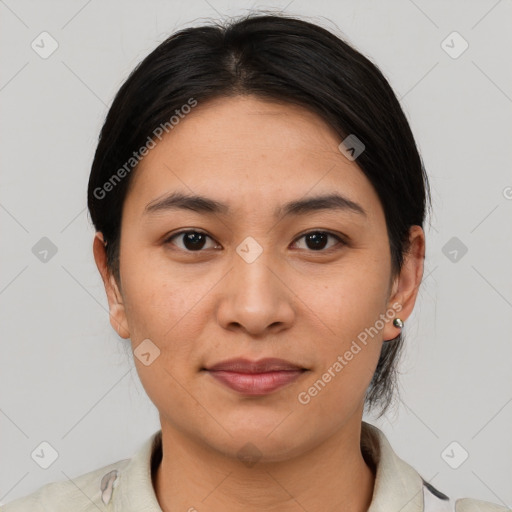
{"points": [[241, 365], [255, 378]]}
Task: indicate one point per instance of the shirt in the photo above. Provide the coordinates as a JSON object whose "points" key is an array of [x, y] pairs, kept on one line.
{"points": [[126, 486]]}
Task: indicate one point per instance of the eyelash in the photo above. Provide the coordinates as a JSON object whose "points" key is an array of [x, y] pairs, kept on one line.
{"points": [[341, 241]]}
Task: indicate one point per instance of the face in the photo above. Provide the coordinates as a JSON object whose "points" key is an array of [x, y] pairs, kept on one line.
{"points": [[263, 267]]}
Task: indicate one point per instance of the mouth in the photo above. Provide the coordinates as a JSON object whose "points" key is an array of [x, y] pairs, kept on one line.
{"points": [[255, 378]]}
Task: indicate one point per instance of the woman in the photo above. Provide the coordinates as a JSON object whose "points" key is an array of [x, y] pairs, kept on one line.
{"points": [[259, 201]]}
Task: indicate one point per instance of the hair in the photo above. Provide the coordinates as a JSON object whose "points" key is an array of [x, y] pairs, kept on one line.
{"points": [[278, 58]]}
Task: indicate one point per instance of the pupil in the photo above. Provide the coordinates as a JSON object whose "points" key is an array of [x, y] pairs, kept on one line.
{"points": [[318, 240], [194, 240]]}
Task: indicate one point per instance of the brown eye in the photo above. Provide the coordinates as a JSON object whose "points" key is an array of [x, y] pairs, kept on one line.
{"points": [[190, 240], [318, 240]]}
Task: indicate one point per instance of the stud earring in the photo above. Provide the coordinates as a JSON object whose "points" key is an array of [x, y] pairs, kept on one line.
{"points": [[397, 322]]}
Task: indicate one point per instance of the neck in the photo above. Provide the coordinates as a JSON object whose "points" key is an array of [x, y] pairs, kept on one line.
{"points": [[332, 476]]}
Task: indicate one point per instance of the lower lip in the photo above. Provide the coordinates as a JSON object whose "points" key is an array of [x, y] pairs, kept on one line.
{"points": [[256, 384]]}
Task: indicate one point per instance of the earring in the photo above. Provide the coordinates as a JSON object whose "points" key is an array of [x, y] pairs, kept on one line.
{"points": [[397, 322]]}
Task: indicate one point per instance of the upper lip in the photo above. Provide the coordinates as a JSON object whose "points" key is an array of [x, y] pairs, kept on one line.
{"points": [[241, 365]]}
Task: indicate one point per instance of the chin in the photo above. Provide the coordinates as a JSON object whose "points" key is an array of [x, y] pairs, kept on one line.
{"points": [[254, 449], [251, 444]]}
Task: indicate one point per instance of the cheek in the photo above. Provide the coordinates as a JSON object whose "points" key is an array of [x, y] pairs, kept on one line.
{"points": [[169, 313], [351, 297], [169, 307], [162, 310], [350, 305], [155, 295]]}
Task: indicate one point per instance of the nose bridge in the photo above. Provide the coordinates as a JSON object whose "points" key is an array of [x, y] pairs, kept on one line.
{"points": [[255, 298], [255, 286], [255, 277]]}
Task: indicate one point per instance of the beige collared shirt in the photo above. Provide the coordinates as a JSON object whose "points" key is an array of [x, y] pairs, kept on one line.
{"points": [[126, 486]]}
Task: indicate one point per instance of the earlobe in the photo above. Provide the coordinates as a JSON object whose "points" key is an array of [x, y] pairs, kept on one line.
{"points": [[117, 312], [118, 320], [406, 285]]}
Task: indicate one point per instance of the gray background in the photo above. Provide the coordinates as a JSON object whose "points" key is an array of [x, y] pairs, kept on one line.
{"points": [[65, 376]]}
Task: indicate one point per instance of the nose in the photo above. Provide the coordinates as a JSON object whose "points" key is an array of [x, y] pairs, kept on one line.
{"points": [[256, 298]]}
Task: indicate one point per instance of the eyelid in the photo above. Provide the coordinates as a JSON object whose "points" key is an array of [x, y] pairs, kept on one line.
{"points": [[340, 238], [167, 239], [327, 232]]}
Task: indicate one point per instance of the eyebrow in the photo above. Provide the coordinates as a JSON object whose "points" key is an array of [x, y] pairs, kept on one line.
{"points": [[205, 205]]}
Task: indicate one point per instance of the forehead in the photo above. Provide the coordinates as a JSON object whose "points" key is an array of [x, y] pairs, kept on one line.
{"points": [[232, 147]]}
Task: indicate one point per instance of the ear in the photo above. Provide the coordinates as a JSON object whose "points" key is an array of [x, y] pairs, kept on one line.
{"points": [[405, 286], [114, 296]]}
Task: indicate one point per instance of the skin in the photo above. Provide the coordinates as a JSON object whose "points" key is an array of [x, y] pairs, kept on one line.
{"points": [[292, 302]]}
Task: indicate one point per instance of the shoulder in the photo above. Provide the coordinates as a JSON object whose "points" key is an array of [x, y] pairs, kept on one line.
{"points": [[87, 493], [398, 486], [472, 505], [124, 485], [436, 501]]}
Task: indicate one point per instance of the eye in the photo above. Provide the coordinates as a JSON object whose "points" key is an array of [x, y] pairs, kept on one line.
{"points": [[318, 240], [195, 241], [191, 240]]}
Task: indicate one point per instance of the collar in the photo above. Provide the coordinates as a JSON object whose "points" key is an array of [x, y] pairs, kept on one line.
{"points": [[397, 485]]}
